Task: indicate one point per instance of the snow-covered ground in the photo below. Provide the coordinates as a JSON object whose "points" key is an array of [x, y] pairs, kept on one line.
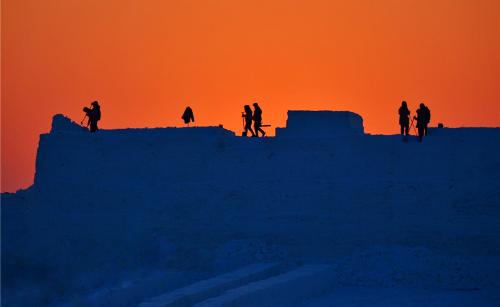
{"points": [[144, 211], [405, 296]]}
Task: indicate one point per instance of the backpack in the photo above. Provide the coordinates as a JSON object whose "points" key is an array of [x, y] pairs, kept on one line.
{"points": [[97, 113]]}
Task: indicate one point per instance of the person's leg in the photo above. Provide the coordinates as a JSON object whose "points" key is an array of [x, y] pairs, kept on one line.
{"points": [[402, 129], [259, 128], [250, 129], [256, 128], [420, 133]]}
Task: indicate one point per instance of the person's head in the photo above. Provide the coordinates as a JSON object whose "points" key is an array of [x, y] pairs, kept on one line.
{"points": [[403, 104], [95, 104], [422, 105], [255, 104], [247, 108]]}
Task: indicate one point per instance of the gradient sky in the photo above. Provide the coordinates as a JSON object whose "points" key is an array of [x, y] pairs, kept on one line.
{"points": [[145, 60]]}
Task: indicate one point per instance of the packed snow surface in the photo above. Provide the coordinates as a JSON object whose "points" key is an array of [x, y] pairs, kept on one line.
{"points": [[404, 296], [123, 211]]}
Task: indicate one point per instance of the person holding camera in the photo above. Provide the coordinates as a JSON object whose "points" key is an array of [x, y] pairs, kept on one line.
{"points": [[94, 115]]}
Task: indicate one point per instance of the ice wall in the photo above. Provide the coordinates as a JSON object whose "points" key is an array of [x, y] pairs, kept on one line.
{"points": [[321, 124], [71, 157], [134, 197], [345, 191]]}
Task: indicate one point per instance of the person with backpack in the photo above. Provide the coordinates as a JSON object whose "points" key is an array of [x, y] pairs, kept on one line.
{"points": [[257, 120], [94, 115], [188, 115], [427, 118], [247, 120], [404, 118], [421, 121]]}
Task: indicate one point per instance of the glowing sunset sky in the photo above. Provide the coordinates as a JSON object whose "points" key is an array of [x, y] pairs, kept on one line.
{"points": [[145, 60]]}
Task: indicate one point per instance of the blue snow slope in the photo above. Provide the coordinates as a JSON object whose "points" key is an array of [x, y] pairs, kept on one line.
{"points": [[110, 205]]}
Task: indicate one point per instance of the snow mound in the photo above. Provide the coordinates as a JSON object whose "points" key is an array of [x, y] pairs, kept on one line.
{"points": [[62, 123]]}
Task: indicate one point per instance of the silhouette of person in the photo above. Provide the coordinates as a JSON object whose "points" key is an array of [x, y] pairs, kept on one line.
{"points": [[247, 115], [421, 121], [188, 115], [427, 118], [94, 115], [257, 120], [404, 118]]}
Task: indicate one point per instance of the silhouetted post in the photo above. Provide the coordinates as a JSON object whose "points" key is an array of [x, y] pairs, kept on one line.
{"points": [[84, 116], [411, 125], [188, 115]]}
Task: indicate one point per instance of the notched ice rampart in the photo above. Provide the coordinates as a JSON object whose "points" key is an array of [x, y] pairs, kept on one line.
{"points": [[133, 198], [320, 175]]}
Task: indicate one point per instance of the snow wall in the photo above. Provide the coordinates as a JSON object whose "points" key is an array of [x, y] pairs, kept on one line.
{"points": [[131, 198], [321, 124]]}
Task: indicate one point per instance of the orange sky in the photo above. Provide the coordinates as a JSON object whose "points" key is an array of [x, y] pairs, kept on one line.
{"points": [[145, 60]]}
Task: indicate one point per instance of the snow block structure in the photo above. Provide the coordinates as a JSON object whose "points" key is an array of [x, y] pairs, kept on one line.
{"points": [[204, 200], [321, 124]]}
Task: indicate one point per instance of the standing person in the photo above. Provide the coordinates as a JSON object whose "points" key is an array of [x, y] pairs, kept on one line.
{"points": [[404, 118], [427, 119], [94, 115], [257, 120], [247, 115], [421, 121], [188, 115]]}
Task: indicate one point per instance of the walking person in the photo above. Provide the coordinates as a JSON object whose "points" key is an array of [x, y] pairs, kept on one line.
{"points": [[404, 118], [257, 120], [247, 120]]}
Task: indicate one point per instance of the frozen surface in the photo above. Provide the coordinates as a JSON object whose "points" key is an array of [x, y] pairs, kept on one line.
{"points": [[405, 296], [281, 290], [203, 202], [199, 291]]}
